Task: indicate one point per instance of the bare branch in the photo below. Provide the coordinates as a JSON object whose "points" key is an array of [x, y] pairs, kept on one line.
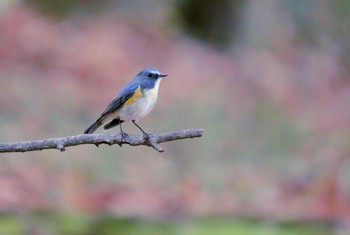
{"points": [[97, 139]]}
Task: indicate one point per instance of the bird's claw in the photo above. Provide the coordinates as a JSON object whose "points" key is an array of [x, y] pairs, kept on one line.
{"points": [[124, 135], [146, 136]]}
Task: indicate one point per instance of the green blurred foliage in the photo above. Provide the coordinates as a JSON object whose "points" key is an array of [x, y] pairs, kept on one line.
{"points": [[211, 21], [340, 32], [65, 224], [9, 225], [62, 8]]}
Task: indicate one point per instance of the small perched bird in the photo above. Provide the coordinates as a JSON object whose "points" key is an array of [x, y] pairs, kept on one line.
{"points": [[132, 103]]}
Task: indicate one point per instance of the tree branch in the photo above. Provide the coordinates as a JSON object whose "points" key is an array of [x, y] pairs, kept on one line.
{"points": [[97, 139]]}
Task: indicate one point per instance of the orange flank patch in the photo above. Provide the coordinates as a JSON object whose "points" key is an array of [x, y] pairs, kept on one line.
{"points": [[137, 94]]}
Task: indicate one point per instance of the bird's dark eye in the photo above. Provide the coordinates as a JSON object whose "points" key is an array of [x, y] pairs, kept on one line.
{"points": [[149, 75]]}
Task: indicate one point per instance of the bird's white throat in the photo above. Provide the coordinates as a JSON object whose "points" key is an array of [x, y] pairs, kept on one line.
{"points": [[153, 92]]}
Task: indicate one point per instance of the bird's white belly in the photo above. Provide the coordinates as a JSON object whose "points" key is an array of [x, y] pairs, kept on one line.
{"points": [[140, 107]]}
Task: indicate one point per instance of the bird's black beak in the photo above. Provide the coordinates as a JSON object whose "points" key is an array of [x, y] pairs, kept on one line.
{"points": [[163, 75]]}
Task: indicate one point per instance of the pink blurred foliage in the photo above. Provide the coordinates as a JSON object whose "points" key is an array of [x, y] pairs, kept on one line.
{"points": [[26, 188], [103, 53], [106, 50], [304, 81]]}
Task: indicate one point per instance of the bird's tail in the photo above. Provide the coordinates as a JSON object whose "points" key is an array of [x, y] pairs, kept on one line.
{"points": [[91, 129]]}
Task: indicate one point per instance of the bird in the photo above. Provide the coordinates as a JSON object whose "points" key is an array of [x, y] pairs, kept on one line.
{"points": [[134, 101]]}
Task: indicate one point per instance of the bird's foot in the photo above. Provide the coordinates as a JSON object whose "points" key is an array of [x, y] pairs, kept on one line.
{"points": [[146, 136], [124, 135]]}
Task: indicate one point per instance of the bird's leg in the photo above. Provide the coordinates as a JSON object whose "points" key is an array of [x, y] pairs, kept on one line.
{"points": [[144, 133], [124, 135]]}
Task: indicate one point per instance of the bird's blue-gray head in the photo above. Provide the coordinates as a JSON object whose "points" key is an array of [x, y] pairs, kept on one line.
{"points": [[149, 76]]}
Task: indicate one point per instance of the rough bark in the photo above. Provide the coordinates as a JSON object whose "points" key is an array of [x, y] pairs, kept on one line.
{"points": [[97, 139]]}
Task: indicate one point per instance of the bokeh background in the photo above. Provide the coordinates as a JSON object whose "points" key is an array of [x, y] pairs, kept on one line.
{"points": [[268, 80]]}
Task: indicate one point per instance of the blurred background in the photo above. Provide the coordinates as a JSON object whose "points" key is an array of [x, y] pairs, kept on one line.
{"points": [[268, 80]]}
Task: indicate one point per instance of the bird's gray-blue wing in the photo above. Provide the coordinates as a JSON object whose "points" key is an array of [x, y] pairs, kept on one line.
{"points": [[129, 93]]}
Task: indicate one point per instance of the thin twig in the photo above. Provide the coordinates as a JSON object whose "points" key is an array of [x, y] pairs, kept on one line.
{"points": [[97, 139]]}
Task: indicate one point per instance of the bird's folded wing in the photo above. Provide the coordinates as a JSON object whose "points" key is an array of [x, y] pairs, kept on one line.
{"points": [[127, 95]]}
